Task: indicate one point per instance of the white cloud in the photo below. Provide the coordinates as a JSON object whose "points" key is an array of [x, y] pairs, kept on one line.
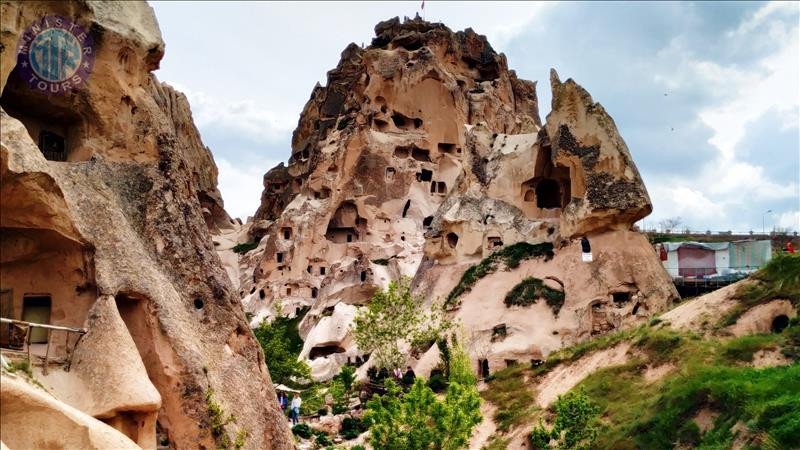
{"points": [[242, 116], [241, 187], [789, 220]]}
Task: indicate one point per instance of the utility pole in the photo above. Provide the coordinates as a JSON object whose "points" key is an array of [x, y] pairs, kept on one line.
{"points": [[763, 226]]}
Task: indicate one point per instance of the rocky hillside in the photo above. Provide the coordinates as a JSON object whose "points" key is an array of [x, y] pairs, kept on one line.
{"points": [[424, 156], [718, 371], [108, 200]]}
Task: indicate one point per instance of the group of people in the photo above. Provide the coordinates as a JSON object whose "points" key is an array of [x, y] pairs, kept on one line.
{"points": [[283, 400], [407, 378]]}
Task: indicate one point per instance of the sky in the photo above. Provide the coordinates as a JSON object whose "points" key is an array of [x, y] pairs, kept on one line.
{"points": [[706, 95]]}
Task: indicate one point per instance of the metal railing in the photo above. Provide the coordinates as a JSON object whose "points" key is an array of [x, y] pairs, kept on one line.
{"points": [[27, 328]]}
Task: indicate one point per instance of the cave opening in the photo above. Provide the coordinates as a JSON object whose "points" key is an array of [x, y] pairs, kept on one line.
{"points": [[406, 208], [548, 194], [425, 175], [322, 351], [452, 240], [780, 323]]}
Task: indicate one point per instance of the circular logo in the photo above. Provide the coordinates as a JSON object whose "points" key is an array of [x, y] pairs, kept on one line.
{"points": [[55, 55]]}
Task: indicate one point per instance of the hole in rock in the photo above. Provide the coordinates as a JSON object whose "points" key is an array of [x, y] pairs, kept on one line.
{"points": [[287, 233], [621, 297], [780, 323], [406, 207], [390, 172], [198, 303], [446, 147], [426, 222], [261, 294], [279, 257], [363, 276], [483, 368], [314, 292], [425, 175], [452, 240], [548, 194], [322, 270], [322, 351]]}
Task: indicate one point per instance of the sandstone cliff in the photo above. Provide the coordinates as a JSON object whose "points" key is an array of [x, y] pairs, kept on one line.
{"points": [[423, 155], [115, 237]]}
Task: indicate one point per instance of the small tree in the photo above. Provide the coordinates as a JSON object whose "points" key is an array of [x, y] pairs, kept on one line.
{"points": [[669, 224], [420, 421], [281, 343], [394, 316], [575, 425]]}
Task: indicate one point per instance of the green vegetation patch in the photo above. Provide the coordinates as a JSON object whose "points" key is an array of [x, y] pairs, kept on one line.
{"points": [[510, 256], [531, 289], [510, 392], [244, 248], [779, 279], [282, 344]]}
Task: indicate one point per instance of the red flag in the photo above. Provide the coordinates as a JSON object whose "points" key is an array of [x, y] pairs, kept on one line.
{"points": [[423, 5]]}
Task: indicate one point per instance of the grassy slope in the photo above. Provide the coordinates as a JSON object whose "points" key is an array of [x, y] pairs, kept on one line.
{"points": [[709, 373]]}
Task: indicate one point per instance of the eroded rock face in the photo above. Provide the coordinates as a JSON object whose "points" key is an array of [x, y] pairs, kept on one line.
{"points": [[115, 238], [424, 154]]}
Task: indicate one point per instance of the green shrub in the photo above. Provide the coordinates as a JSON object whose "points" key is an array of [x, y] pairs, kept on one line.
{"points": [[302, 430], [281, 343], [352, 427], [437, 383], [510, 256], [244, 248], [218, 419], [322, 439], [575, 424], [527, 291], [23, 366]]}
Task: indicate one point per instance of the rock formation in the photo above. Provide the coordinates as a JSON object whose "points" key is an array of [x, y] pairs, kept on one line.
{"points": [[422, 156], [112, 234]]}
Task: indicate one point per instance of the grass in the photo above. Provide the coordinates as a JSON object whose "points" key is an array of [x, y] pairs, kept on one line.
{"points": [[23, 366], [708, 373], [497, 443], [244, 248], [742, 349], [512, 396], [779, 279], [531, 289], [510, 257]]}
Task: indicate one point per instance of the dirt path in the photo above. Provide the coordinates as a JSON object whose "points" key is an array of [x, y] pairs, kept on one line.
{"points": [[564, 377]]}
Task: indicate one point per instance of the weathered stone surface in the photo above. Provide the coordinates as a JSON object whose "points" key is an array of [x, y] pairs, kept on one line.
{"points": [[33, 419], [118, 236], [425, 154]]}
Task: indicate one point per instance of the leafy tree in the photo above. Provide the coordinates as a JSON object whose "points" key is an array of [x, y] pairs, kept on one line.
{"points": [[575, 425], [419, 420], [394, 316], [282, 345]]}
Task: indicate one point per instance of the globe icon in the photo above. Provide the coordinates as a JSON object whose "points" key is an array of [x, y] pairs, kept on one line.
{"points": [[55, 55]]}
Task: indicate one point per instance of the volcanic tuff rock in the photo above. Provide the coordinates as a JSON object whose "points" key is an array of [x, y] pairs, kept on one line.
{"points": [[424, 154], [116, 238]]}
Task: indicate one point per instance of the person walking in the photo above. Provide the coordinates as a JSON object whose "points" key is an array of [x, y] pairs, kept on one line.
{"points": [[296, 403]]}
